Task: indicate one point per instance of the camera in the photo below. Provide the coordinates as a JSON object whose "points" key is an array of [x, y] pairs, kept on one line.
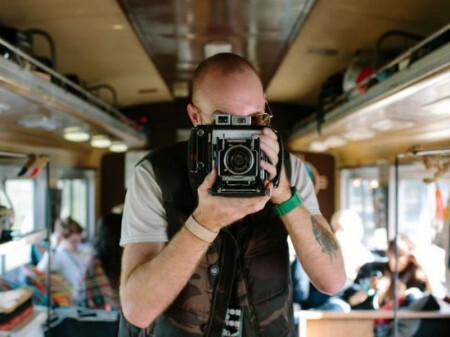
{"points": [[230, 146]]}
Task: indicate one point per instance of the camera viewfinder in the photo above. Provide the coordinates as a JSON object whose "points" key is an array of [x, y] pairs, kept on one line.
{"points": [[223, 119], [241, 120]]}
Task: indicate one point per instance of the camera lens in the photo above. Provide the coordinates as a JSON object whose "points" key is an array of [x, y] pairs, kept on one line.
{"points": [[238, 160]]}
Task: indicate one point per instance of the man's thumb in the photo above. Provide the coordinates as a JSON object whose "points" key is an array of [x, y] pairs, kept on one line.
{"points": [[210, 179]]}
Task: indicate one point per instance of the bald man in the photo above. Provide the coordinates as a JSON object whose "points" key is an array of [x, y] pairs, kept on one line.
{"points": [[201, 265]]}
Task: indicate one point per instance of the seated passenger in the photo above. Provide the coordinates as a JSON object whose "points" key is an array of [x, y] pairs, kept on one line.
{"points": [[374, 286], [349, 230], [103, 272], [66, 257]]}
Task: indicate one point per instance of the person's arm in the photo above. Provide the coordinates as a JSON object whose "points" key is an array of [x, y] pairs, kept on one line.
{"points": [[316, 247], [42, 265], [315, 243], [153, 274]]}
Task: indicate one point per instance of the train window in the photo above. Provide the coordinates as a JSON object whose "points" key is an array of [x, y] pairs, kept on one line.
{"points": [[27, 196], [420, 207], [21, 192], [73, 203], [77, 198], [362, 193], [362, 200]]}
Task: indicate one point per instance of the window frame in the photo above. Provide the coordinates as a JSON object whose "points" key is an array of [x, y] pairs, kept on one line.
{"points": [[406, 171]]}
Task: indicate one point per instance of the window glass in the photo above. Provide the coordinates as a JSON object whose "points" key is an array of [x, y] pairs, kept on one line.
{"points": [[368, 199], [21, 192], [74, 201], [418, 213], [421, 209], [77, 198], [362, 193], [29, 199]]}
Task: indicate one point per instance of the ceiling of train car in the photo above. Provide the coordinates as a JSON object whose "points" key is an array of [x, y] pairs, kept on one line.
{"points": [[95, 39], [179, 34], [147, 50]]}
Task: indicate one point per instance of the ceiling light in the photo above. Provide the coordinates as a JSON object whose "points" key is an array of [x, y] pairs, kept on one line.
{"points": [[334, 141], [181, 89], [318, 146], [439, 107], [217, 47], [118, 146], [100, 141], [76, 134], [358, 134], [118, 27], [147, 91], [389, 124]]}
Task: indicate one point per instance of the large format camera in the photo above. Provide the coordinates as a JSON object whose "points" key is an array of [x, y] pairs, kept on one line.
{"points": [[230, 146]]}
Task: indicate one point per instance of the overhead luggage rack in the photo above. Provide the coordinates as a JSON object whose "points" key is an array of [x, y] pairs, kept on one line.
{"points": [[402, 107], [35, 98]]}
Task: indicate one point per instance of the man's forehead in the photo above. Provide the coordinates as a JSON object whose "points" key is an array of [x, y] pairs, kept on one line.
{"points": [[241, 76], [231, 93], [232, 102]]}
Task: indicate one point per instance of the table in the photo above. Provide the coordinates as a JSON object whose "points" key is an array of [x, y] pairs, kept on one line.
{"points": [[356, 323]]}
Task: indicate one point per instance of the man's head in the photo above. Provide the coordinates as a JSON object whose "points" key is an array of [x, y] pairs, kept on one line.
{"points": [[225, 83]]}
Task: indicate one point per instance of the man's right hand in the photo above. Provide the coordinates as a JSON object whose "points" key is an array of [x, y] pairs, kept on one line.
{"points": [[215, 212]]}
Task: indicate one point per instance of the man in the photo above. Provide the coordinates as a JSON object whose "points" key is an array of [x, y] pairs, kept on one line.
{"points": [[202, 265]]}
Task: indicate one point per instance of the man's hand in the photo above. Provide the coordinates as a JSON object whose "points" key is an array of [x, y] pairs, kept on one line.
{"points": [[215, 212], [269, 144]]}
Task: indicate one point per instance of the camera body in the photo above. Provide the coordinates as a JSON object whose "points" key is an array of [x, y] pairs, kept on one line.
{"points": [[230, 146]]}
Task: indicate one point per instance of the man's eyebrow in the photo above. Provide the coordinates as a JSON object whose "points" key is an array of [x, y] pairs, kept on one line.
{"points": [[218, 112]]}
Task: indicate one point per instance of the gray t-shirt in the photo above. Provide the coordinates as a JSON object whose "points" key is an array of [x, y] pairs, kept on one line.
{"points": [[144, 217]]}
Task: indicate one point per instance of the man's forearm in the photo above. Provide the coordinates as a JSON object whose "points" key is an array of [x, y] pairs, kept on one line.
{"points": [[152, 286], [317, 249]]}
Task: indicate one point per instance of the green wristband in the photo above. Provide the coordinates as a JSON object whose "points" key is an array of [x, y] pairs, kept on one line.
{"points": [[287, 206]]}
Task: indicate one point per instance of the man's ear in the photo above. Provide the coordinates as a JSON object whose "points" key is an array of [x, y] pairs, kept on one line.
{"points": [[193, 114]]}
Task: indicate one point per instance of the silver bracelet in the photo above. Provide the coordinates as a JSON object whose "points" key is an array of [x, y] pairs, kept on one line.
{"points": [[199, 231]]}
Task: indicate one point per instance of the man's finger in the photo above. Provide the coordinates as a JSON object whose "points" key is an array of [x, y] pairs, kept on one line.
{"points": [[210, 179], [270, 169]]}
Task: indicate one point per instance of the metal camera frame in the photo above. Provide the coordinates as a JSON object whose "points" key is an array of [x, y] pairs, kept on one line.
{"points": [[205, 146]]}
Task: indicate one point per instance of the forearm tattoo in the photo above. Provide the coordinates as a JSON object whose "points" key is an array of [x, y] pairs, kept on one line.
{"points": [[325, 239]]}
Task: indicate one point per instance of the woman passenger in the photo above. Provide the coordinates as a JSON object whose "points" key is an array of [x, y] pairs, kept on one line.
{"points": [[66, 257]]}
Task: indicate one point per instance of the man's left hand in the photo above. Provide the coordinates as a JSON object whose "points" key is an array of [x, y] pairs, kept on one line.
{"points": [[269, 144]]}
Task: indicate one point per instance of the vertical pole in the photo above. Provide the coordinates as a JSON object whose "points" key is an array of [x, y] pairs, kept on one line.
{"points": [[49, 248], [395, 306]]}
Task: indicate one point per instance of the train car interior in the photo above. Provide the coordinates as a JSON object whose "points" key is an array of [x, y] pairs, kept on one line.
{"points": [[359, 90]]}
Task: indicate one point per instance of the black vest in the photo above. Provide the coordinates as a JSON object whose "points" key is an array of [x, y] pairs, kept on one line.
{"points": [[248, 261]]}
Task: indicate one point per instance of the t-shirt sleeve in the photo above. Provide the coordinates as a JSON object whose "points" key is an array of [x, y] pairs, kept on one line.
{"points": [[305, 187], [144, 217], [43, 263]]}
